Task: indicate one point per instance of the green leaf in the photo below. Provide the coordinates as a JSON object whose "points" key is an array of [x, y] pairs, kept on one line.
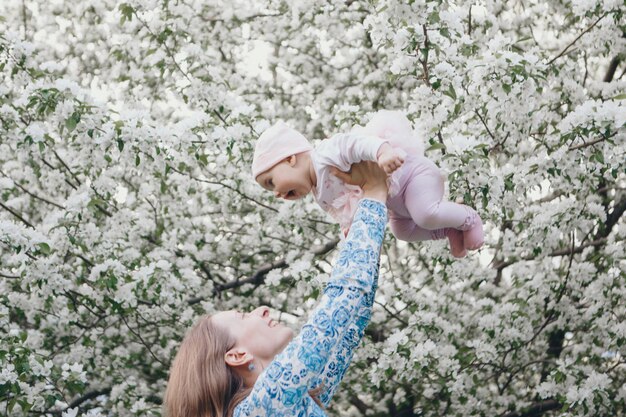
{"points": [[127, 12], [120, 145], [12, 404], [508, 183], [450, 92], [506, 88], [525, 38], [72, 121], [619, 97], [118, 127], [598, 156], [137, 160], [436, 146], [457, 109], [110, 281], [202, 158], [44, 248]]}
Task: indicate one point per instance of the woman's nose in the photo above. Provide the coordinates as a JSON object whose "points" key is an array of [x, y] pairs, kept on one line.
{"points": [[263, 311]]}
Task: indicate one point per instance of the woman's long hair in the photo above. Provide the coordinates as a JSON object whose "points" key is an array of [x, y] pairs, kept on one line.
{"points": [[201, 384]]}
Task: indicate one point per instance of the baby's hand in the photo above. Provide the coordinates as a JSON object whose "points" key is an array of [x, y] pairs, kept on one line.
{"points": [[390, 159]]}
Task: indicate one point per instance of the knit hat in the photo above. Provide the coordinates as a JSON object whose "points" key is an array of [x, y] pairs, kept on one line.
{"points": [[275, 144]]}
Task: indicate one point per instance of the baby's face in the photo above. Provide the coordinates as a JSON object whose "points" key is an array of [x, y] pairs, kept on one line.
{"points": [[287, 180]]}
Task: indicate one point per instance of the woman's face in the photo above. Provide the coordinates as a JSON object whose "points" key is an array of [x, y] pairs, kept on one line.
{"points": [[256, 332]]}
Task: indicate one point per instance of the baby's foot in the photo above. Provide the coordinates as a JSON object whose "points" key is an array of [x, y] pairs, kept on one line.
{"points": [[474, 237], [456, 240]]}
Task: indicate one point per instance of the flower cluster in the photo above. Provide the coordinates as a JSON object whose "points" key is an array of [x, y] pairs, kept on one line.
{"points": [[127, 207]]}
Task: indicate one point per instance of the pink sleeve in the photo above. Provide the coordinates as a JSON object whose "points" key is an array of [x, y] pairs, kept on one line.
{"points": [[345, 149]]}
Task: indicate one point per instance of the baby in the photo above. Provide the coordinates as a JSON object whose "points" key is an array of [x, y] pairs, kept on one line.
{"points": [[285, 163]]}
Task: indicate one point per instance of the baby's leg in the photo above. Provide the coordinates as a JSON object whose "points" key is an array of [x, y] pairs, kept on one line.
{"points": [[423, 200], [406, 229]]}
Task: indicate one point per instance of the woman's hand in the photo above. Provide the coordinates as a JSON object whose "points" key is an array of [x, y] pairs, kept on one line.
{"points": [[367, 175]]}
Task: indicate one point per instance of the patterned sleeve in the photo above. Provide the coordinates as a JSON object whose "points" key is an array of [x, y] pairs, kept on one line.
{"points": [[330, 332], [342, 356]]}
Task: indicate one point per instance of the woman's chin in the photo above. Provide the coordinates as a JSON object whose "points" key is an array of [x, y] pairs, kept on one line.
{"points": [[286, 335]]}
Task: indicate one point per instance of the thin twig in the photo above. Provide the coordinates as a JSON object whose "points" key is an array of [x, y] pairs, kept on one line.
{"points": [[164, 43], [143, 342], [391, 313], [578, 37], [485, 124], [24, 20], [66, 167], [225, 186], [584, 145], [45, 200], [16, 214], [424, 61]]}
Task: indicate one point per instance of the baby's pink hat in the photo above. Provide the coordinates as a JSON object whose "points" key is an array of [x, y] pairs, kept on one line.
{"points": [[275, 144]]}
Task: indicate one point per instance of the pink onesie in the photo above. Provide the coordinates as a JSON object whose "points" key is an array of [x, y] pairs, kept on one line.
{"points": [[417, 208]]}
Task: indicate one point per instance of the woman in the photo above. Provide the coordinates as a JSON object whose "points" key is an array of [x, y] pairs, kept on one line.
{"points": [[246, 364]]}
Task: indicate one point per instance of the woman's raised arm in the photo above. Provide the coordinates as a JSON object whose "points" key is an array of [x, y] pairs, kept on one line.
{"points": [[282, 389]]}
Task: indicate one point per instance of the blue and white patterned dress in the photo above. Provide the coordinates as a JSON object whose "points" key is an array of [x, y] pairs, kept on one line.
{"points": [[322, 351]]}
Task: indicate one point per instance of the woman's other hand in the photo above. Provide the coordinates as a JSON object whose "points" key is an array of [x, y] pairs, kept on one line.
{"points": [[369, 176]]}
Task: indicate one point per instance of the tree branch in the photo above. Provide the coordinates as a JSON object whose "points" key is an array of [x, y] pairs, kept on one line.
{"points": [[593, 142], [610, 73], [258, 277], [536, 409], [78, 401], [560, 252], [578, 37], [613, 218]]}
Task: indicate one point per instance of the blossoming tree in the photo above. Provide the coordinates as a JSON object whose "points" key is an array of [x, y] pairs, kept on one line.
{"points": [[127, 207]]}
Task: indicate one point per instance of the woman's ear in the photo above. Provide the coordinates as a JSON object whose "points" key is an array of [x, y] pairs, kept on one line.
{"points": [[291, 160], [237, 357]]}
